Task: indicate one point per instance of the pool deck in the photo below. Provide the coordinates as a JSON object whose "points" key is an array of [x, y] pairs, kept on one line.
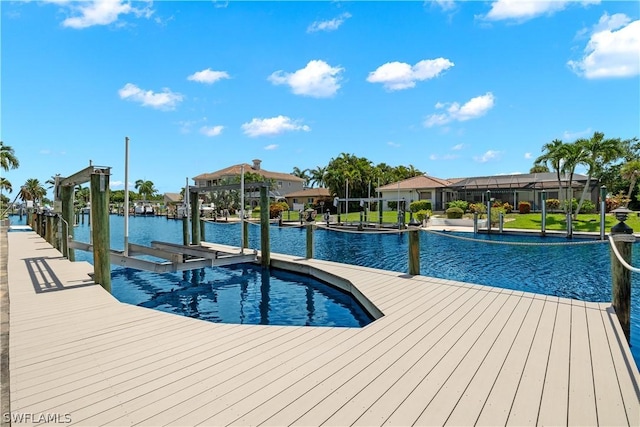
{"points": [[444, 352]]}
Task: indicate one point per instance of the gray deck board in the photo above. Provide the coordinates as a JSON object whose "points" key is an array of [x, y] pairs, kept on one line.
{"points": [[445, 352]]}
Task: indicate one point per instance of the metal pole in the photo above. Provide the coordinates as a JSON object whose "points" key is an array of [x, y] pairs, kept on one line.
{"points": [[475, 223], [242, 231], [500, 221], [488, 211], [543, 223], [126, 196], [346, 215], [603, 208]]}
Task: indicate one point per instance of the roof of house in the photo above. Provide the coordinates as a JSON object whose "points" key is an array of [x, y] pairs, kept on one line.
{"points": [[524, 181], [310, 192], [173, 197], [417, 182], [236, 170]]}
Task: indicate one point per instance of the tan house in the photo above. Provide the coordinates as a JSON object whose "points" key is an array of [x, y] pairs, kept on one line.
{"points": [[309, 196], [422, 187], [172, 199], [283, 183]]}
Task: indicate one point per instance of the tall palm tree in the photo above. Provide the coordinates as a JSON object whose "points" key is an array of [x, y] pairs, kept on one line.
{"points": [[5, 185], [8, 160], [301, 173], [597, 153], [572, 156], [32, 190], [318, 176], [553, 157], [630, 171], [145, 188]]}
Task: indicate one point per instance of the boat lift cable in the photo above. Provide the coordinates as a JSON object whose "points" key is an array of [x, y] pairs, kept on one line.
{"points": [[622, 261]]}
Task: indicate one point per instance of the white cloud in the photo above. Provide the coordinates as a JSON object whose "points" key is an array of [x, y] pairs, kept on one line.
{"points": [[165, 100], [330, 25], [446, 5], [208, 76], [433, 157], [575, 135], [472, 109], [273, 126], [522, 10], [318, 79], [528, 155], [393, 144], [271, 147], [101, 12], [211, 130], [457, 147], [613, 49], [488, 156], [444, 157], [400, 75]]}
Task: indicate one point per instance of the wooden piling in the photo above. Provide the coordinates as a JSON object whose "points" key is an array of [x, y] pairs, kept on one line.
{"points": [[202, 233], [414, 252], [49, 232], [100, 230], [310, 241], [245, 236], [621, 280], [195, 218], [185, 230], [265, 256], [67, 215]]}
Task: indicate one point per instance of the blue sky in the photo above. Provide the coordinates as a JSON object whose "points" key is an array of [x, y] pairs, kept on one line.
{"points": [[454, 88]]}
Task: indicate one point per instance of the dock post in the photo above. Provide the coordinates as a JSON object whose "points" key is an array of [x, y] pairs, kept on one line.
{"points": [[623, 240], [543, 223], [67, 227], [475, 223], [195, 218], [245, 237], [202, 234], [569, 226], [488, 211], [603, 210], [310, 241], [100, 230], [265, 250], [48, 229], [185, 230], [414, 252]]}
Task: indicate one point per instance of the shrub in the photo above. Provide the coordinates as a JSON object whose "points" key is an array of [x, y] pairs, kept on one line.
{"points": [[553, 204], [423, 214], [276, 208], [588, 207], [497, 203], [462, 204], [524, 207], [392, 205], [495, 215], [574, 205], [507, 207], [454, 213], [256, 209], [420, 205], [478, 208]]}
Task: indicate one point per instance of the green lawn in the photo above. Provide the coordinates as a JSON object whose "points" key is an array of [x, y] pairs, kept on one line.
{"points": [[557, 221]]}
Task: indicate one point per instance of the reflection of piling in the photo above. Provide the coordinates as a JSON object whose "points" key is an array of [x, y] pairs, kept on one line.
{"points": [[414, 252]]}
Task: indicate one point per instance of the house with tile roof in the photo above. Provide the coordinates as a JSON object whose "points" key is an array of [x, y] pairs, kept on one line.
{"points": [[283, 183], [422, 187]]}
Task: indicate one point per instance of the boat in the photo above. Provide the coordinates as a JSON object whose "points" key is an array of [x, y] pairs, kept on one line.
{"points": [[143, 208]]}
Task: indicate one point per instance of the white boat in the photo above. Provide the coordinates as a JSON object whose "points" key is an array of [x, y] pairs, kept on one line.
{"points": [[143, 208]]}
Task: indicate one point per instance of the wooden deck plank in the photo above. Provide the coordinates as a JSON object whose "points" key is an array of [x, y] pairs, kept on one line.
{"points": [[582, 408], [555, 392], [440, 357], [609, 403]]}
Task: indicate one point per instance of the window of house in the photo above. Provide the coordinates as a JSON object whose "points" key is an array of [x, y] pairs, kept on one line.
{"points": [[279, 184], [310, 200], [295, 200]]}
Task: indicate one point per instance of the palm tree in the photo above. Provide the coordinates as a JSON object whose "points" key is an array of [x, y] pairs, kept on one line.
{"points": [[553, 158], [301, 173], [145, 188], [539, 169], [8, 160], [597, 153], [572, 155], [32, 190], [318, 176], [630, 171], [5, 185]]}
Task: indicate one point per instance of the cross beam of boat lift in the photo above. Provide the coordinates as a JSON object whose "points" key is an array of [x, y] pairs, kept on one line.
{"points": [[179, 257]]}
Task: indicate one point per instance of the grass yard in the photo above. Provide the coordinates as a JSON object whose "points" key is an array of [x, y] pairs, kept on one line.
{"points": [[557, 221]]}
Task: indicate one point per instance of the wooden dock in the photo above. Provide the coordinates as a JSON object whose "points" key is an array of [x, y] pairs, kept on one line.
{"points": [[444, 352]]}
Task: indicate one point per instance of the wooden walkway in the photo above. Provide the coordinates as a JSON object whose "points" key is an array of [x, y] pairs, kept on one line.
{"points": [[444, 352]]}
